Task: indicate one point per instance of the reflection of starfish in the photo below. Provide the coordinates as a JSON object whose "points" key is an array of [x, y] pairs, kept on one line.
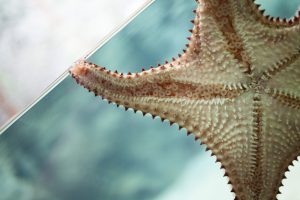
{"points": [[236, 88]]}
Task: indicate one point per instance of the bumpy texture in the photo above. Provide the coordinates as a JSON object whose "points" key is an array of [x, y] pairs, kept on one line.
{"points": [[236, 88]]}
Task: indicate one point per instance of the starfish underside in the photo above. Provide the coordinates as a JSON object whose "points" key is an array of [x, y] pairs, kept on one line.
{"points": [[236, 88]]}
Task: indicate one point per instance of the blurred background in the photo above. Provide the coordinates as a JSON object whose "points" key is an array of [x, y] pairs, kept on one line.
{"points": [[73, 146], [40, 39]]}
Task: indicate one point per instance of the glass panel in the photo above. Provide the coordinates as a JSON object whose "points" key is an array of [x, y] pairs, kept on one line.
{"points": [[72, 145]]}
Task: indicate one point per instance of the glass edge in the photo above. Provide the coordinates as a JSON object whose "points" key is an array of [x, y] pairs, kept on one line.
{"points": [[102, 42]]}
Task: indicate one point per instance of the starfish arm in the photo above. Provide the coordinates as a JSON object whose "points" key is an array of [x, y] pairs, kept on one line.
{"points": [[270, 48], [215, 42], [265, 41], [230, 26], [282, 79], [241, 29], [280, 142], [167, 81], [226, 129]]}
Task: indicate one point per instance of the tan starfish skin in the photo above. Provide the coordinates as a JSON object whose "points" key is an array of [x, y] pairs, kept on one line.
{"points": [[236, 88]]}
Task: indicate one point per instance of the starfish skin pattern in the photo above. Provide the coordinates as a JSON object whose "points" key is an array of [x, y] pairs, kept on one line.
{"points": [[236, 87]]}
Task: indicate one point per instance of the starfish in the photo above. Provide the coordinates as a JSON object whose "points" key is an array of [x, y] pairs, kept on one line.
{"points": [[236, 88]]}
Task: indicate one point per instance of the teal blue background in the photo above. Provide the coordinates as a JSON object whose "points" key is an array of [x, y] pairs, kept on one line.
{"points": [[72, 145]]}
